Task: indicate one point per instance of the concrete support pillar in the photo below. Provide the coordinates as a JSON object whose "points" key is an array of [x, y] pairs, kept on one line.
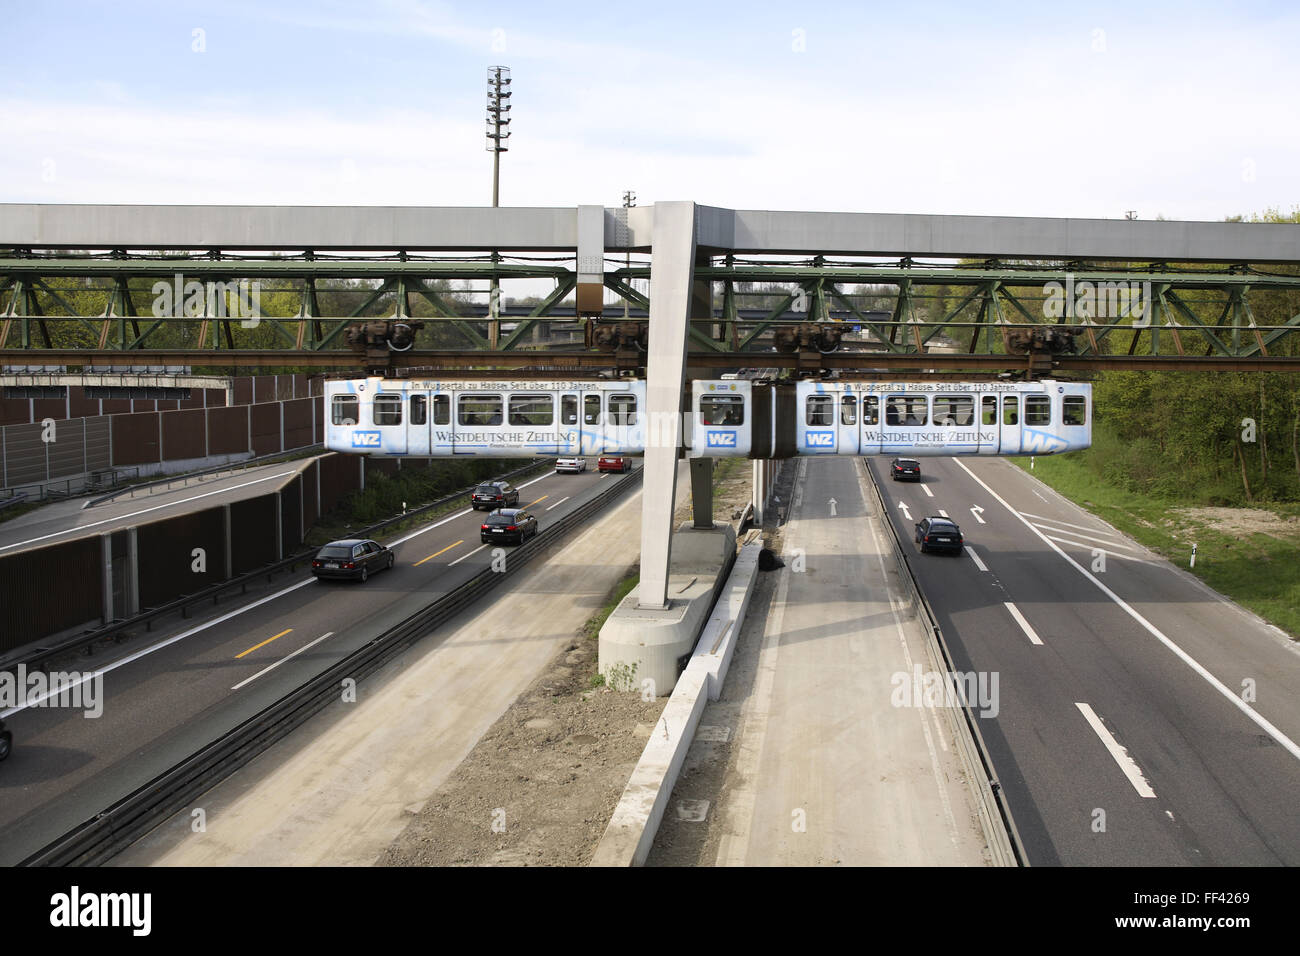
{"points": [[759, 498], [702, 493], [673, 247], [131, 580], [106, 561]]}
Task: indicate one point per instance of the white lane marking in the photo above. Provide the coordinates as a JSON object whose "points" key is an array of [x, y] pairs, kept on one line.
{"points": [[942, 512], [1068, 525], [471, 554], [1292, 747], [144, 511], [927, 491], [1108, 542], [458, 514], [1126, 763], [560, 502], [286, 657], [171, 640], [975, 557], [605, 474], [1109, 548], [1040, 497], [1024, 625]]}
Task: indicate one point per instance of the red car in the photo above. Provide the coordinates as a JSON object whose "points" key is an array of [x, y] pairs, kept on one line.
{"points": [[613, 463]]}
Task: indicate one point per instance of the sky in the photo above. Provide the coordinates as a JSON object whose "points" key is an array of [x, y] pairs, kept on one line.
{"points": [[1185, 110]]}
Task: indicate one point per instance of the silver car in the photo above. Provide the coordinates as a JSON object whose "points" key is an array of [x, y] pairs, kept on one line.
{"points": [[574, 465]]}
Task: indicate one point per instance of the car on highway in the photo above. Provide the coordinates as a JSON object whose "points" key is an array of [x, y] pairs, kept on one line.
{"points": [[905, 468], [938, 533], [508, 525], [494, 494], [351, 558], [6, 741], [571, 465], [613, 463]]}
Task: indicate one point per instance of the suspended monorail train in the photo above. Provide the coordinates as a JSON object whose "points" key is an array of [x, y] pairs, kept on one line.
{"points": [[503, 419]]}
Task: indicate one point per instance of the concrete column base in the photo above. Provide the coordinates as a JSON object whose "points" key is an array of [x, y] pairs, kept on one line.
{"points": [[643, 644]]}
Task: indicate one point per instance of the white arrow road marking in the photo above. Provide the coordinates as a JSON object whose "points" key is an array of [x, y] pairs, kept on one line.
{"points": [[1126, 763], [907, 515], [977, 511], [832, 503]]}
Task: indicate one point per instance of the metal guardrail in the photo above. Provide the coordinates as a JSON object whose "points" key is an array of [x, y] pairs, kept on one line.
{"points": [[113, 829], [116, 629], [230, 466], [990, 789], [19, 498]]}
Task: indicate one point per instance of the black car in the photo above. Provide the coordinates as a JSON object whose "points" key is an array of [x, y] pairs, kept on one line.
{"points": [[905, 468], [494, 494], [6, 741], [351, 558], [508, 525], [937, 533]]}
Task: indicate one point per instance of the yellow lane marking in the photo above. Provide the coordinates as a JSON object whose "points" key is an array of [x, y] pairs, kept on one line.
{"points": [[265, 642], [542, 498], [436, 553]]}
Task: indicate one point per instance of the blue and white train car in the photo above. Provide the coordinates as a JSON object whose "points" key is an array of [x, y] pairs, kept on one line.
{"points": [[501, 419], [912, 419]]}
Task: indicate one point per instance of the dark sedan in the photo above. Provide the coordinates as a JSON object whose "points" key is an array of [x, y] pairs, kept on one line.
{"points": [[494, 494], [938, 534], [508, 526], [354, 558], [905, 469]]}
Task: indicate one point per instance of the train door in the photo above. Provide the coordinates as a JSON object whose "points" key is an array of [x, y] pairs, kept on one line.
{"points": [[817, 429], [1009, 430], [442, 440], [417, 424], [386, 411], [988, 425], [593, 424], [869, 413], [847, 419], [907, 417], [570, 431], [622, 423]]}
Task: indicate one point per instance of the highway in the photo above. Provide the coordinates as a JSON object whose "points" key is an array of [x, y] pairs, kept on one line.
{"points": [[164, 700], [1121, 736]]}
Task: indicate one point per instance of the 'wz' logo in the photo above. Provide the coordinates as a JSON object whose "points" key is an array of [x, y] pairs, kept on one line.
{"points": [[365, 439], [721, 439], [819, 440], [1041, 443]]}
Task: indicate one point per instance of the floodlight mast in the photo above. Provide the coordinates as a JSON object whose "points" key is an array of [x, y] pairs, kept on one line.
{"points": [[498, 117]]}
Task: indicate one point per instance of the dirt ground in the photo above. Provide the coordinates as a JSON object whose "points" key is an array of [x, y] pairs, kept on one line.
{"points": [[540, 786], [1237, 521]]}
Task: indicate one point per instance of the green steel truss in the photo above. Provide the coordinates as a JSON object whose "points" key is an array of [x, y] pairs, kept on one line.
{"points": [[110, 302]]}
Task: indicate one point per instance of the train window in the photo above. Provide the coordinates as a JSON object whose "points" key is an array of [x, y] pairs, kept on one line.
{"points": [[442, 409], [622, 409], [1075, 410], [388, 409], [954, 410], [1038, 410], [419, 409], [849, 410], [479, 410], [591, 409], [568, 409], [532, 410], [821, 410], [989, 415], [870, 410], [905, 410], [344, 410], [1010, 410], [722, 410]]}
